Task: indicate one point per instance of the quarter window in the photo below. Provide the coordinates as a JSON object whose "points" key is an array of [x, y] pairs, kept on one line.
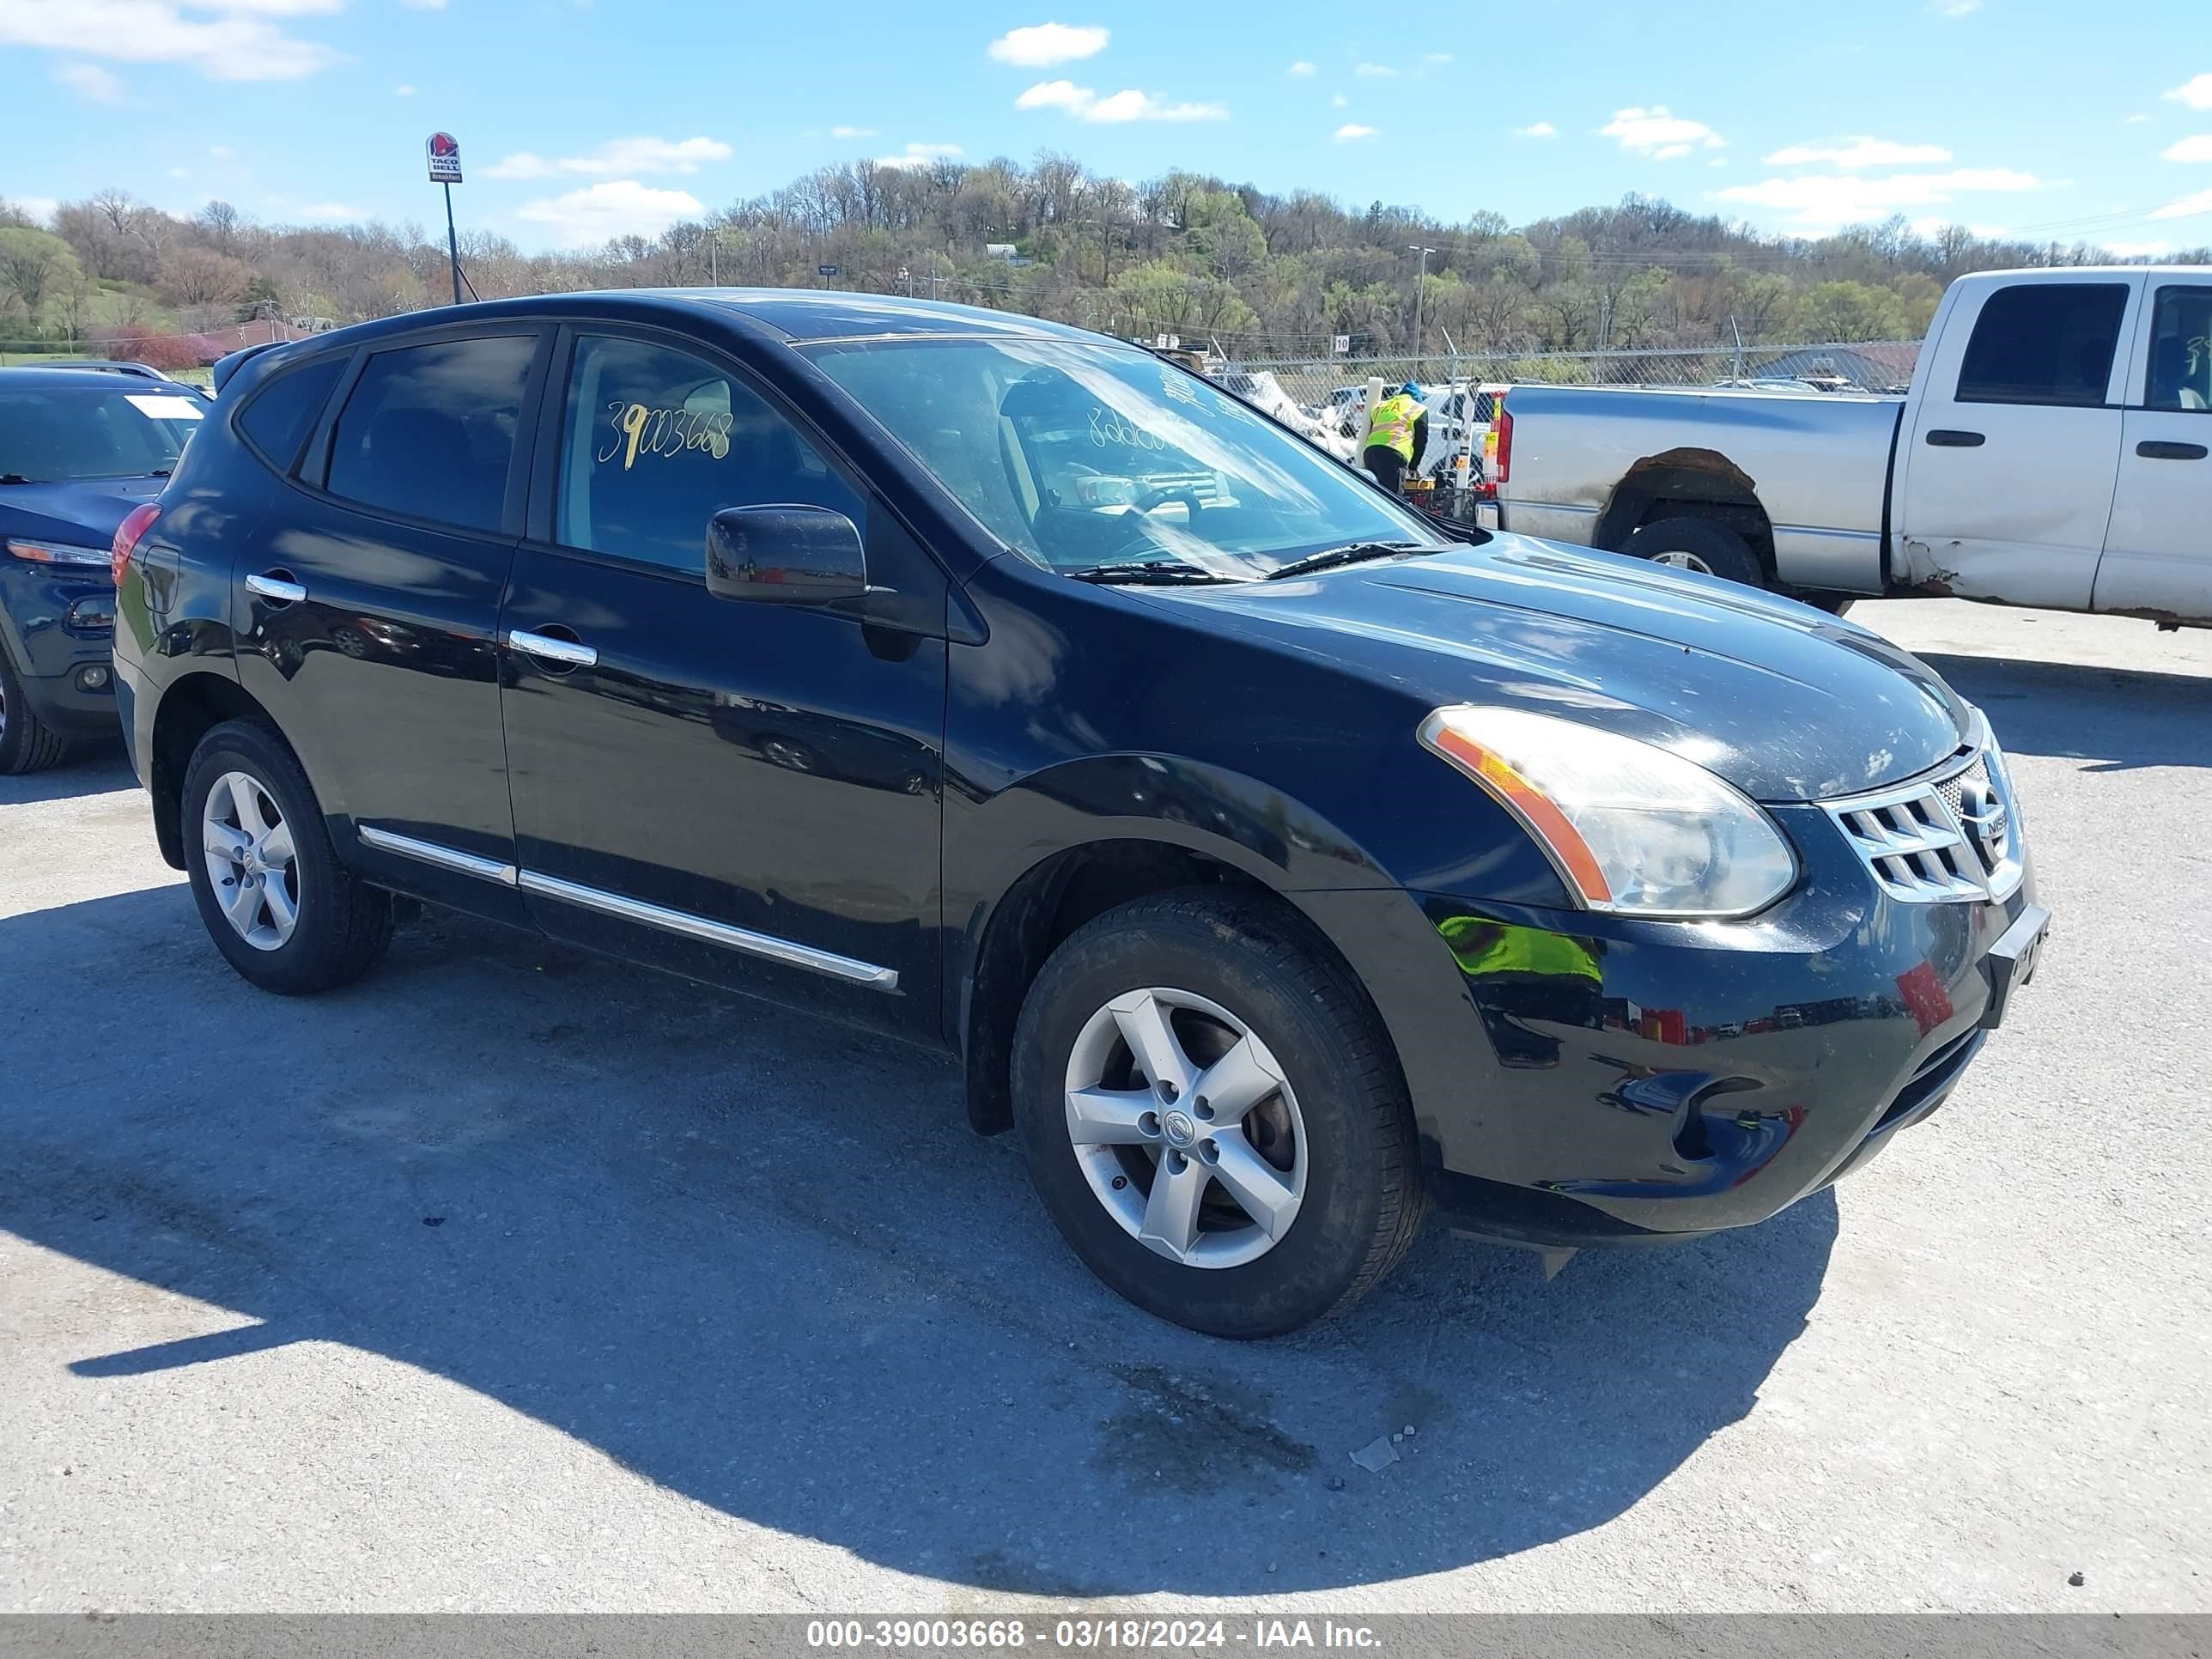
{"points": [[660, 440], [428, 430], [282, 413], [2181, 349], [2045, 343]]}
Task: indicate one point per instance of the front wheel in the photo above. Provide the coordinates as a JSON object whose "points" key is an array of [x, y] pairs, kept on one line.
{"points": [[1213, 1117], [281, 908], [26, 743]]}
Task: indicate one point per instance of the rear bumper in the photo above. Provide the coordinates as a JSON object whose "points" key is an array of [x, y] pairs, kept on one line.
{"points": [[1580, 1079]]}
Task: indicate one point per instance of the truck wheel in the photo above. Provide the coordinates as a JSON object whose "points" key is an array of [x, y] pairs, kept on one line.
{"points": [[1213, 1118], [1698, 544], [26, 743], [281, 908]]}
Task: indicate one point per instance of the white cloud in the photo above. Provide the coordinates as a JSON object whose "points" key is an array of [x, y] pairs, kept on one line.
{"points": [[1536, 129], [423, 5], [90, 81], [1042, 44], [1854, 153], [615, 207], [1660, 133], [920, 156], [1338, 100], [1954, 7], [40, 208], [404, 89], [2198, 149], [1352, 131], [2137, 121], [2187, 208], [1128, 105], [854, 132], [2137, 250], [1436, 57], [629, 155], [1301, 69], [225, 40], [178, 173], [1373, 71], [1823, 201], [2196, 92]]}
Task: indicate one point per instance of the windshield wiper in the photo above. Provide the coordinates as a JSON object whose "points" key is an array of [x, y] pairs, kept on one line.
{"points": [[1352, 553], [161, 472], [15, 478], [1146, 570]]}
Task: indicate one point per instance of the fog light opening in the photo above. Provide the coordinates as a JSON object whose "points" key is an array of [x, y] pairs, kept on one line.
{"points": [[92, 677]]}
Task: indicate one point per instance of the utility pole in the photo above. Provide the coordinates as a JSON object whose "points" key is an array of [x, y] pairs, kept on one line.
{"points": [[1420, 282]]}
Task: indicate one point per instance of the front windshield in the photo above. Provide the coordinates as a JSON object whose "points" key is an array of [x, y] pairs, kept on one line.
{"points": [[1083, 456], [61, 433]]}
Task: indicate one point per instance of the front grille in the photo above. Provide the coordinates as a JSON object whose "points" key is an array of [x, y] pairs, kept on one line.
{"points": [[1946, 837]]}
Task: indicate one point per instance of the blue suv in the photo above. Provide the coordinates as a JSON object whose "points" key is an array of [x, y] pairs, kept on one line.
{"points": [[78, 452]]}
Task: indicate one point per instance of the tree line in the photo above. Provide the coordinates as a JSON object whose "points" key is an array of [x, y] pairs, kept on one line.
{"points": [[1261, 275]]}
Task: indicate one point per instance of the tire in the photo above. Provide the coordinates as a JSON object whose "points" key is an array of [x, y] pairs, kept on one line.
{"points": [[1698, 544], [26, 743], [339, 925], [1336, 1134]]}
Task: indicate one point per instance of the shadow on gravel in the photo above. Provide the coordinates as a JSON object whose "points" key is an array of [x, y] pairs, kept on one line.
{"points": [[92, 769], [760, 1261], [2123, 718]]}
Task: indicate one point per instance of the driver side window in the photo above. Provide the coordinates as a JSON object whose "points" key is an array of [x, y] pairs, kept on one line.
{"points": [[656, 441]]}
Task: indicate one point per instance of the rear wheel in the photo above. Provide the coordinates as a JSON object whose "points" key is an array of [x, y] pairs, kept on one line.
{"points": [[1700, 545], [26, 744], [281, 908], [1213, 1117]]}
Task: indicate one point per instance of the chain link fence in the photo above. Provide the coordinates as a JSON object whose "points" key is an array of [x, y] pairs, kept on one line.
{"points": [[1885, 366]]}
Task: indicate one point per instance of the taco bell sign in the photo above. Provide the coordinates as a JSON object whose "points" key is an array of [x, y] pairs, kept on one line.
{"points": [[445, 152]]}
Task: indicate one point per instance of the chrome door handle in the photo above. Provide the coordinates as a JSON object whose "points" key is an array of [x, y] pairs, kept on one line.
{"points": [[276, 588], [567, 652]]}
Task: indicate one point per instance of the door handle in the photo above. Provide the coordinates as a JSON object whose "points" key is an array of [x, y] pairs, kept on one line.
{"points": [[568, 653], [280, 588], [2157, 449], [1944, 438]]}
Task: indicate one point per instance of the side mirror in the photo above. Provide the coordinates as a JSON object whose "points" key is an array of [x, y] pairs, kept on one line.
{"points": [[784, 555]]}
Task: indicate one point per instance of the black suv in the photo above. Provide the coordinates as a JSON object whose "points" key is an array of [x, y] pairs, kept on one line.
{"points": [[80, 448], [1278, 866]]}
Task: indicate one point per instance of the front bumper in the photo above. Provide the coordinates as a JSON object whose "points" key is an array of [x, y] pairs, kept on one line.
{"points": [[1581, 1079], [57, 624]]}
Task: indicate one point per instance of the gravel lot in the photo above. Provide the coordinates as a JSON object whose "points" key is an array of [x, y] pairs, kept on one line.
{"points": [[511, 1279]]}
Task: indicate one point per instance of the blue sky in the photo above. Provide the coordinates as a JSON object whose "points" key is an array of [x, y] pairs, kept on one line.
{"points": [[581, 119]]}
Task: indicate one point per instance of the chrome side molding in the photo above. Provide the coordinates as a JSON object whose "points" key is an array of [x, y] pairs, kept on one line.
{"points": [[428, 852], [714, 933], [764, 945]]}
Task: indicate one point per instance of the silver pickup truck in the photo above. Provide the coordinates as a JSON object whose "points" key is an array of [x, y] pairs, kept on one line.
{"points": [[2055, 450]]}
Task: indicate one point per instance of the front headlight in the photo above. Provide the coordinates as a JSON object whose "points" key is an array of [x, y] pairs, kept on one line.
{"points": [[56, 552], [1631, 828]]}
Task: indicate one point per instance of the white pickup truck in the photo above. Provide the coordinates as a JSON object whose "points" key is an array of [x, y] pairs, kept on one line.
{"points": [[2055, 450]]}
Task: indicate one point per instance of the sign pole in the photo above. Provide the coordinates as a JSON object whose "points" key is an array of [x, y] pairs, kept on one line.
{"points": [[452, 245]]}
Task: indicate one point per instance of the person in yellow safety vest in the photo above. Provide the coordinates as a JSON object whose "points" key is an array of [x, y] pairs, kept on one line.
{"points": [[1397, 434]]}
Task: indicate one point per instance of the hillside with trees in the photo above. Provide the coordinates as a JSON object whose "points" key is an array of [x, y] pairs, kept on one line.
{"points": [[1263, 275]]}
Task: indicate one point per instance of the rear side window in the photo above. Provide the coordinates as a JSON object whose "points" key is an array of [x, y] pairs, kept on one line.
{"points": [[2181, 351], [2045, 343], [430, 430], [278, 419]]}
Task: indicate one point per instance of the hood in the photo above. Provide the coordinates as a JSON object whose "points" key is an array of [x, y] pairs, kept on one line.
{"points": [[1785, 701], [86, 513]]}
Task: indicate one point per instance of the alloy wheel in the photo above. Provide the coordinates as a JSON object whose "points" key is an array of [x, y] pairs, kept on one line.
{"points": [[1680, 561], [251, 863], [1186, 1127]]}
